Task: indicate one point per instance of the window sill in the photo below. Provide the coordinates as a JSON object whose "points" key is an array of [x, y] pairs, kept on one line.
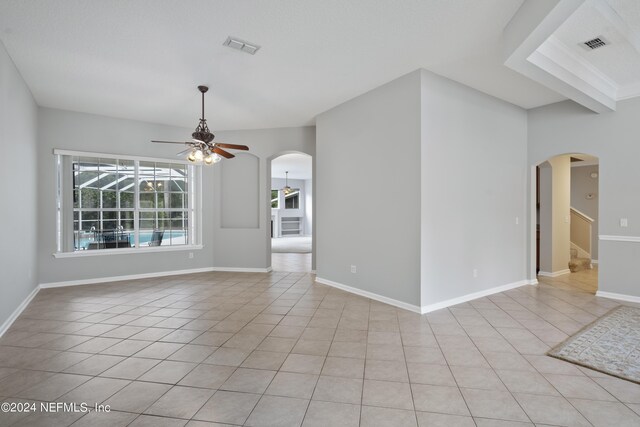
{"points": [[141, 250]]}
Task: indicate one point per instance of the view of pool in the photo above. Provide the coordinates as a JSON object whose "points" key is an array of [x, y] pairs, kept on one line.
{"points": [[170, 237]]}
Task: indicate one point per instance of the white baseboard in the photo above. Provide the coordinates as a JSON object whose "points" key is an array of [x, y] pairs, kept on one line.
{"points": [[425, 308], [7, 323], [621, 297], [554, 274], [370, 295], [475, 295], [242, 269], [96, 280]]}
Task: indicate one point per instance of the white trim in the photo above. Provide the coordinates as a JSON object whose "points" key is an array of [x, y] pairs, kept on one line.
{"points": [[12, 318], [140, 250], [150, 275], [582, 214], [634, 239], [621, 297], [242, 269], [555, 273], [425, 308], [580, 252], [370, 295], [594, 261], [528, 29], [121, 278], [61, 152], [475, 295], [629, 91]]}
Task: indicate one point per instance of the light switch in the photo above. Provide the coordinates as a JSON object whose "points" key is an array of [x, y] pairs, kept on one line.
{"points": [[624, 222]]}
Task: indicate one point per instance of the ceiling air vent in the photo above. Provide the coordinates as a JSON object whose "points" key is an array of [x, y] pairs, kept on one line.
{"points": [[241, 45], [595, 43]]}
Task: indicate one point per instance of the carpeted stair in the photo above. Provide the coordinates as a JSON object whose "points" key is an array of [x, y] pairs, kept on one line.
{"points": [[578, 264]]}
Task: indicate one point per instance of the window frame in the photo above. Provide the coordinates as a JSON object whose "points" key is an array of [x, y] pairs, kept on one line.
{"points": [[194, 208]]}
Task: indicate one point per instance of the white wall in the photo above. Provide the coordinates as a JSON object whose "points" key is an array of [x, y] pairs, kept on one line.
{"points": [[368, 165], [308, 203], [581, 185], [473, 189], [566, 127], [250, 247], [18, 145]]}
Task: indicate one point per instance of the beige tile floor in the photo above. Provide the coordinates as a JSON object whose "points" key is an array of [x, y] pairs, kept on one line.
{"points": [[299, 263], [278, 350], [583, 280]]}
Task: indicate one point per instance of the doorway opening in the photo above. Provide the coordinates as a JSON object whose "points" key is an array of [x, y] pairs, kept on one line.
{"points": [[291, 205], [566, 233]]}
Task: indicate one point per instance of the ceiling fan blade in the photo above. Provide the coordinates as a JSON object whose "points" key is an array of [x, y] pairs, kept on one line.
{"points": [[233, 146], [223, 153], [170, 142]]}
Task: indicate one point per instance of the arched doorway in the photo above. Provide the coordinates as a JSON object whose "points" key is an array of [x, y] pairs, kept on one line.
{"points": [[291, 212], [565, 230]]}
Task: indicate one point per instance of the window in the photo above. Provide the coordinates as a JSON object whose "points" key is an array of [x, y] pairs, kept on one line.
{"points": [[274, 199], [114, 203], [292, 200]]}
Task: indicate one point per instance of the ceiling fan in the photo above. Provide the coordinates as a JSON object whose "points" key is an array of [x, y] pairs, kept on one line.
{"points": [[201, 148], [286, 189]]}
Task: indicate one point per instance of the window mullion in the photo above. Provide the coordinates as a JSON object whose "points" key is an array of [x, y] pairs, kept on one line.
{"points": [[136, 203]]}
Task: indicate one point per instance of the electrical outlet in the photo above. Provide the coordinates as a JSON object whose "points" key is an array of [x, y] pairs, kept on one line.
{"points": [[624, 222], [475, 272], [354, 269], [517, 220], [190, 255]]}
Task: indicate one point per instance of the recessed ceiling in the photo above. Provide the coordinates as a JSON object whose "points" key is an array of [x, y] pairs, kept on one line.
{"points": [[619, 60], [143, 59], [298, 165], [546, 42]]}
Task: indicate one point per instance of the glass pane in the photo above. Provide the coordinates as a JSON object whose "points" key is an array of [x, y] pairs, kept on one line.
{"points": [[127, 199], [126, 220], [147, 200], [274, 199], [109, 199], [147, 225], [162, 200], [176, 201], [291, 201], [89, 198]]}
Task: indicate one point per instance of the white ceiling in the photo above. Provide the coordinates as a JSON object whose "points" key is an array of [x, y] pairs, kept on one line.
{"points": [[554, 54], [298, 165], [620, 60], [143, 59]]}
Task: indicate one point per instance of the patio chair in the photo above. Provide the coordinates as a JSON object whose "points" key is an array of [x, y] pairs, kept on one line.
{"points": [[156, 238]]}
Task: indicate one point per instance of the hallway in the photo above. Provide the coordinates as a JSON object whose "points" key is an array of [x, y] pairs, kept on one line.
{"points": [[584, 280]]}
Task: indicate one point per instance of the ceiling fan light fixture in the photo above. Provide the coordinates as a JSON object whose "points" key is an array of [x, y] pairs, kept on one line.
{"points": [[201, 148]]}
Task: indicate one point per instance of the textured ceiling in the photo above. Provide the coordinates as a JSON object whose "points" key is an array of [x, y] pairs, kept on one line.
{"points": [[298, 165], [619, 61], [143, 59]]}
